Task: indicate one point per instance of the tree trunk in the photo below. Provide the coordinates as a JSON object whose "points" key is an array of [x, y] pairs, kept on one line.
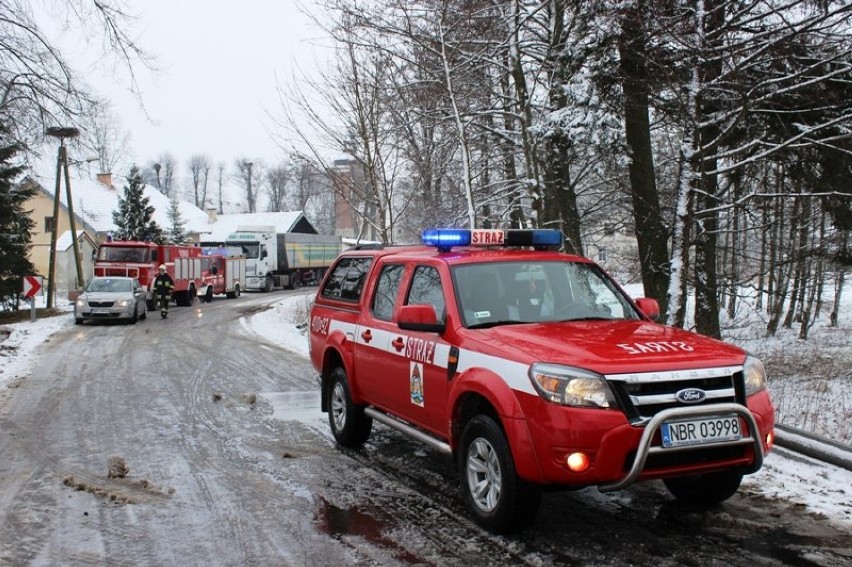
{"points": [[651, 235]]}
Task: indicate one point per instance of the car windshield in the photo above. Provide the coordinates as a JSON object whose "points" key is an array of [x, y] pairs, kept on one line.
{"points": [[497, 293], [108, 285]]}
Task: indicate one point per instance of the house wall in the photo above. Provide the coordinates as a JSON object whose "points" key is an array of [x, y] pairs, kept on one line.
{"points": [[66, 272]]}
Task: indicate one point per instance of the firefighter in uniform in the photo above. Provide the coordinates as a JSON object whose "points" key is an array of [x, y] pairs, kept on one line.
{"points": [[163, 286]]}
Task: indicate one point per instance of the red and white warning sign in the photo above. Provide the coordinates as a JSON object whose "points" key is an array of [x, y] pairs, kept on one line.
{"points": [[32, 285]]}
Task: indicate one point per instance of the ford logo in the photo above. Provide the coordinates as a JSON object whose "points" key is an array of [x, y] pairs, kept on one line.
{"points": [[691, 396]]}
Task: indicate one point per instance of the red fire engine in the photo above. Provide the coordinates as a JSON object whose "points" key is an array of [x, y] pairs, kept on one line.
{"points": [[223, 272], [141, 260]]}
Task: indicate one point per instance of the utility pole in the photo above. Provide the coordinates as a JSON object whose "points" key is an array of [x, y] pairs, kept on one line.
{"points": [[62, 164]]}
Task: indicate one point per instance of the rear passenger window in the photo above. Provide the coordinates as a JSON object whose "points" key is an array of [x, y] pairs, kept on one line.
{"points": [[347, 279], [386, 290]]}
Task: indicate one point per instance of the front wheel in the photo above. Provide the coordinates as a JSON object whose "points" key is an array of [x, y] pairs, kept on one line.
{"points": [[705, 489], [498, 499], [349, 425], [208, 297]]}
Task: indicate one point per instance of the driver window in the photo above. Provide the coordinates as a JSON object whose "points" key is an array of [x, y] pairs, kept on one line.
{"points": [[426, 290]]}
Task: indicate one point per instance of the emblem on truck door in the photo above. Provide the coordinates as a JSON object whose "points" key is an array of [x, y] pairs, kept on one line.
{"points": [[691, 396]]}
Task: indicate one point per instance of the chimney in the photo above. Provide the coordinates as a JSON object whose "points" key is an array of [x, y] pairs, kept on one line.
{"points": [[212, 217], [105, 178]]}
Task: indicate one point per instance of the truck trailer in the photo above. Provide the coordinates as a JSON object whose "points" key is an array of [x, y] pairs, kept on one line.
{"points": [[282, 260]]}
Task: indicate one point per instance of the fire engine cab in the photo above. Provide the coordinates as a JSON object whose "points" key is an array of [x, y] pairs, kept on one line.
{"points": [[534, 370]]}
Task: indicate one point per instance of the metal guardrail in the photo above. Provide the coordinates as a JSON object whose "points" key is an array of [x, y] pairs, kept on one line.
{"points": [[814, 446]]}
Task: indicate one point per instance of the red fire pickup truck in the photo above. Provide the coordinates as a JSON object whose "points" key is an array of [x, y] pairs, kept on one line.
{"points": [[534, 370]]}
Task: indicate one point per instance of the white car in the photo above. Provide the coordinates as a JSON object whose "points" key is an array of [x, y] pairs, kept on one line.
{"points": [[110, 298]]}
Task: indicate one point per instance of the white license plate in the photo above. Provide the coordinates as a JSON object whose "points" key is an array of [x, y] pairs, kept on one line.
{"points": [[100, 310], [699, 431]]}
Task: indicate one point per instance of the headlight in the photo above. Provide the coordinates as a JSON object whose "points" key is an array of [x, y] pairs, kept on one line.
{"points": [[123, 303], [81, 302], [755, 375], [569, 386]]}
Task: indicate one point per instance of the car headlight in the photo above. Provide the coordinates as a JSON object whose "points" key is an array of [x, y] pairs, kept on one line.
{"points": [[755, 375], [123, 303], [570, 386], [81, 302]]}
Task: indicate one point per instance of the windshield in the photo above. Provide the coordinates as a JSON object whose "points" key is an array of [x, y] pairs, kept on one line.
{"points": [[108, 285], [534, 292], [250, 249], [123, 254]]}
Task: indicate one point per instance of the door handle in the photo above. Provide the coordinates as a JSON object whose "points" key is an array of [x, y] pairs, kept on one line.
{"points": [[398, 344], [367, 336]]}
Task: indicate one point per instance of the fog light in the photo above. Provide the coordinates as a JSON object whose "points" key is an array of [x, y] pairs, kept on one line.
{"points": [[577, 462]]}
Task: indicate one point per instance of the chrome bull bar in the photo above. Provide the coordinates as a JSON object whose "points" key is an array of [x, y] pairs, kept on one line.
{"points": [[645, 449]]}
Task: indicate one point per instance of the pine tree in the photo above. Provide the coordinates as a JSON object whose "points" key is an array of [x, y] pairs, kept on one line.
{"points": [[177, 234], [133, 218], [15, 225]]}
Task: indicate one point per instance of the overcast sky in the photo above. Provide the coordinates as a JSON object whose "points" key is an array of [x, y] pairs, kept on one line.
{"points": [[216, 80]]}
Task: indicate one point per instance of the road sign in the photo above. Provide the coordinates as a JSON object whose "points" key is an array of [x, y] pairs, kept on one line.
{"points": [[32, 285]]}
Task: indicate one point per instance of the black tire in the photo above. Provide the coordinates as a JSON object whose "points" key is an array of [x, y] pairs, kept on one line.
{"points": [[268, 285], [295, 280], [150, 304], [496, 497], [208, 297], [233, 293], [349, 425], [135, 316], [78, 321], [705, 490]]}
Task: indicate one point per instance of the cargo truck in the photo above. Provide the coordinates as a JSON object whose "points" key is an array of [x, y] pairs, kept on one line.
{"points": [[282, 260]]}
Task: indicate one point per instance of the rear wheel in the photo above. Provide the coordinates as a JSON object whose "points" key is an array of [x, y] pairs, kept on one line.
{"points": [[349, 425], [705, 489], [498, 499]]}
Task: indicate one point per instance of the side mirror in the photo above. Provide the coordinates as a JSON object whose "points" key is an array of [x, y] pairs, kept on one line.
{"points": [[649, 307], [263, 254], [419, 318]]}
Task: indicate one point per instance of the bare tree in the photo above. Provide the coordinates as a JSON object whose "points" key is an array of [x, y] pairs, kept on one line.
{"points": [[105, 137], [38, 86], [249, 174], [199, 171], [220, 181], [165, 169], [277, 181]]}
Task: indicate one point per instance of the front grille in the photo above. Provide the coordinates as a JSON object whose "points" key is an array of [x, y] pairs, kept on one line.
{"points": [[101, 303], [644, 395]]}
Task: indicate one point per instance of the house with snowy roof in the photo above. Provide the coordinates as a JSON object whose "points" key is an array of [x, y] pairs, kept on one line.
{"points": [[93, 202]]}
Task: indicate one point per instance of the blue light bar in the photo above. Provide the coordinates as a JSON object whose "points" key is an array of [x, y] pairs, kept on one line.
{"points": [[446, 238]]}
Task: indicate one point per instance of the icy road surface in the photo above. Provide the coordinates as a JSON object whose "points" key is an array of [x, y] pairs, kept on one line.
{"points": [[229, 462]]}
